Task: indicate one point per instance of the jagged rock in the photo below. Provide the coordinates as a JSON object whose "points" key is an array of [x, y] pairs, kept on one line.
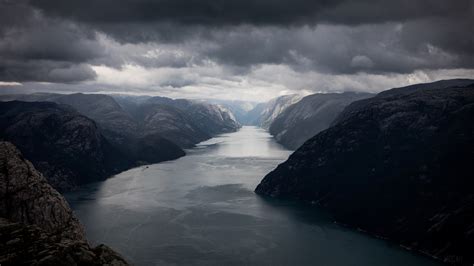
{"points": [[37, 226], [22, 244], [28, 198], [398, 165]]}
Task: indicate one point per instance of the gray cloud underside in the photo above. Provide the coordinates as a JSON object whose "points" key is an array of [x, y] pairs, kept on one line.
{"points": [[58, 41]]}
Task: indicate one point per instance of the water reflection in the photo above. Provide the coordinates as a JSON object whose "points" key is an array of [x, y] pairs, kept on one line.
{"points": [[201, 210]]}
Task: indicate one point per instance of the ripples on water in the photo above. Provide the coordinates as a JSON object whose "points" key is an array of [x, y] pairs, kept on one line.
{"points": [[201, 210]]}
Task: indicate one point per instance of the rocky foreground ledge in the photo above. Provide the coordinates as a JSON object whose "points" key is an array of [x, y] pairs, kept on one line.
{"points": [[37, 226]]}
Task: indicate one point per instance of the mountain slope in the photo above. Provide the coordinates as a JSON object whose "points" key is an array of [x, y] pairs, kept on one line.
{"points": [[263, 114], [103, 109], [37, 225], [183, 121], [128, 121], [171, 123], [240, 109], [398, 166], [212, 119], [68, 147], [309, 116], [121, 129]]}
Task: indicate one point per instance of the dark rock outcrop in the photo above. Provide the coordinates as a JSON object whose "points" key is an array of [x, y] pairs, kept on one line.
{"points": [[398, 165], [309, 116], [37, 226], [26, 197]]}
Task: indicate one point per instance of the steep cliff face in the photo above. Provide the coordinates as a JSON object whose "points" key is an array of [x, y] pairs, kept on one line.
{"points": [[309, 116], [398, 165], [28, 198], [239, 109], [37, 225], [267, 112], [212, 119]]}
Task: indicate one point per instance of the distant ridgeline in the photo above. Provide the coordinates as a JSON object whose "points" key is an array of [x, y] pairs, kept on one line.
{"points": [[79, 138], [293, 119], [398, 165]]}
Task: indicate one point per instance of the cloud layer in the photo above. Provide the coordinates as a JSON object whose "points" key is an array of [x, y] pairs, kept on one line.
{"points": [[231, 49]]}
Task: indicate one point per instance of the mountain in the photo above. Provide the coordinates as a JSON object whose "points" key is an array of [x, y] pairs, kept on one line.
{"points": [[263, 114], [240, 109], [104, 110], [67, 146], [37, 226], [183, 121], [110, 117], [171, 123], [212, 119], [127, 121], [312, 114], [121, 129], [398, 165]]}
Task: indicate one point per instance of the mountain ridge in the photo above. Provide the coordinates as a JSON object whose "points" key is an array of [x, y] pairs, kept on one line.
{"points": [[397, 167]]}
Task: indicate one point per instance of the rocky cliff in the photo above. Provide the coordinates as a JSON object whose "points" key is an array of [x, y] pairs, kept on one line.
{"points": [[37, 226], [309, 116], [398, 165], [263, 114]]}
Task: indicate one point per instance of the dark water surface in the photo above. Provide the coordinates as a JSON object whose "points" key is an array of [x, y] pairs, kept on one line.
{"points": [[201, 210]]}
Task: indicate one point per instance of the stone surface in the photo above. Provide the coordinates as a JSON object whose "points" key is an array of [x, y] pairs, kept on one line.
{"points": [[28, 198], [37, 226]]}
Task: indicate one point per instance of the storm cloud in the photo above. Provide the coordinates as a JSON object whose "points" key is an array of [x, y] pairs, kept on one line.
{"points": [[186, 48]]}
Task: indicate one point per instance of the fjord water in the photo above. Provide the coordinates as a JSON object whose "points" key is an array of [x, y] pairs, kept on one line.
{"points": [[201, 210]]}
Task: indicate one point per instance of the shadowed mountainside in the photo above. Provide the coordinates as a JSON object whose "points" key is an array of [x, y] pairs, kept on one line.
{"points": [[126, 120], [398, 165], [67, 146], [312, 114]]}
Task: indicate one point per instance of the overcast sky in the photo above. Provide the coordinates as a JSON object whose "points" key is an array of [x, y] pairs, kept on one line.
{"points": [[232, 49]]}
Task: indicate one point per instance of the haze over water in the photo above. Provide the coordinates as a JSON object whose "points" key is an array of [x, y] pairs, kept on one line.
{"points": [[201, 210]]}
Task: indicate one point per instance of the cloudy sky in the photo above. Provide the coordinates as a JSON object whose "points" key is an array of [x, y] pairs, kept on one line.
{"points": [[232, 49]]}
